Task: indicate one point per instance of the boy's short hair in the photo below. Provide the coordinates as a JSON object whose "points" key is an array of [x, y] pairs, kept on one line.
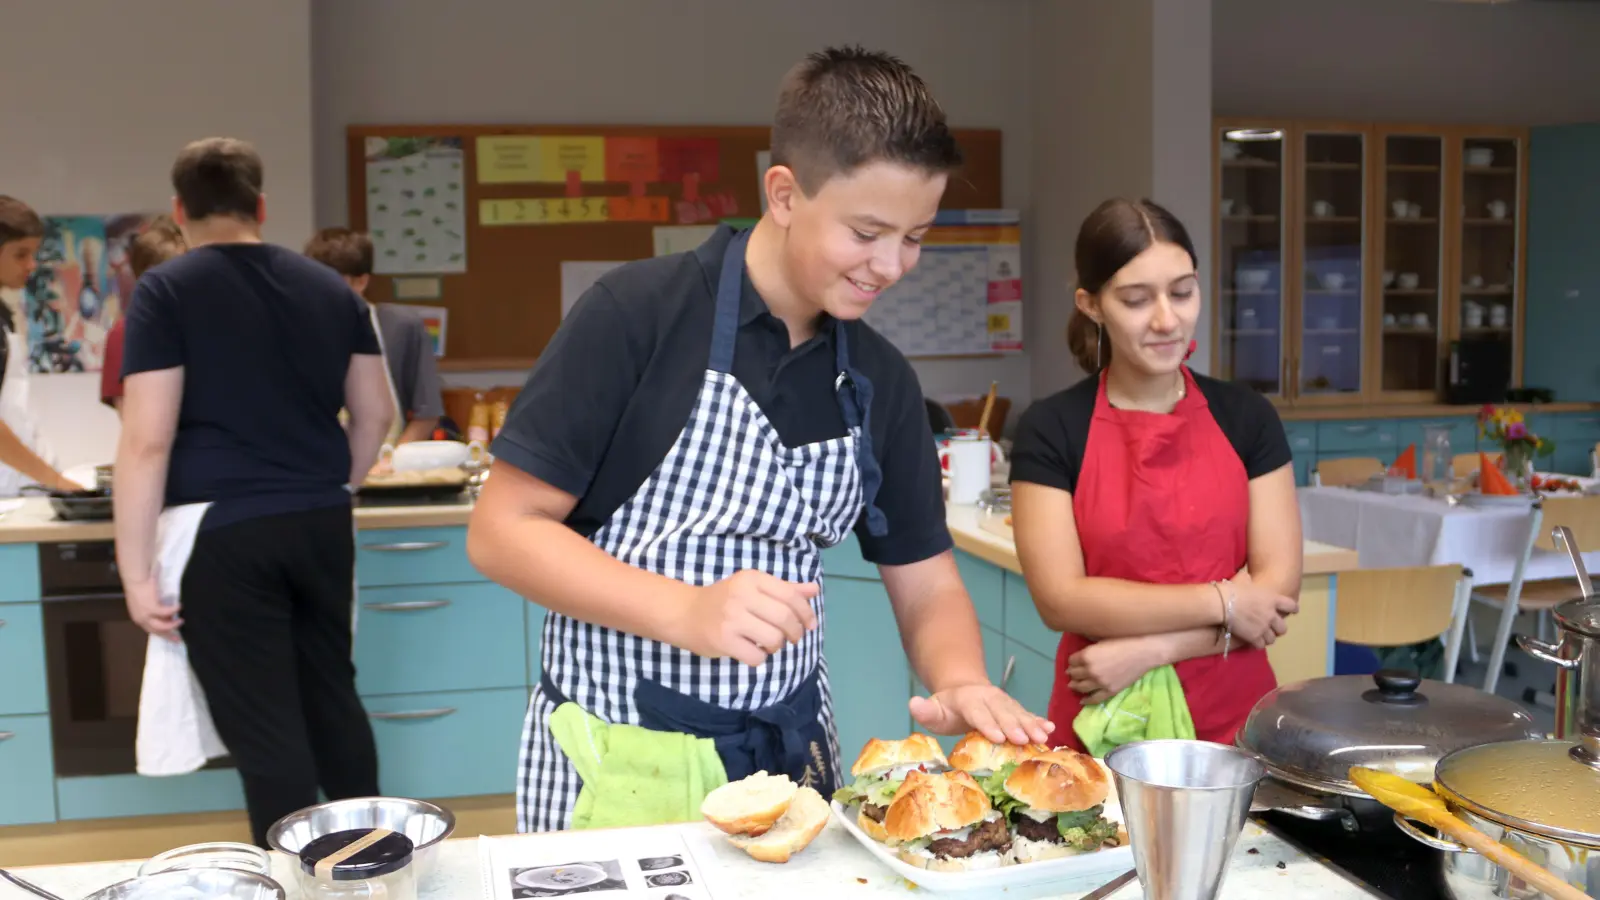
{"points": [[158, 242], [218, 177], [345, 250], [845, 107], [18, 221]]}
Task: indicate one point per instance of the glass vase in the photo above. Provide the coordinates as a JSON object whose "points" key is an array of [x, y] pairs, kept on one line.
{"points": [[1516, 463]]}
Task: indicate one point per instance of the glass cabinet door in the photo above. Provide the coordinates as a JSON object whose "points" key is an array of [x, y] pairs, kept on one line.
{"points": [[1250, 244], [1333, 224], [1488, 261], [1412, 256]]}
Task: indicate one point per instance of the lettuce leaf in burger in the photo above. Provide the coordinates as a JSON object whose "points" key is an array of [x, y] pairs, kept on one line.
{"points": [[878, 773], [1055, 802]]}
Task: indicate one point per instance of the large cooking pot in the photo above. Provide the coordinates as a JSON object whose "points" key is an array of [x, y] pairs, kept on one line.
{"points": [[1537, 797], [1311, 732], [1576, 658]]}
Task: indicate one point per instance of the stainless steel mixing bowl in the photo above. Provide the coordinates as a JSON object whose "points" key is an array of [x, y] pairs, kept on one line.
{"points": [[425, 824]]}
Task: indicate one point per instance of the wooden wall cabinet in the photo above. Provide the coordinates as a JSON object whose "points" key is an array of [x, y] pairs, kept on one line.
{"points": [[1348, 256]]}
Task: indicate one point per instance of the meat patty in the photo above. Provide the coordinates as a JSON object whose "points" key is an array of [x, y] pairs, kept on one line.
{"points": [[1038, 831], [991, 835], [874, 812]]}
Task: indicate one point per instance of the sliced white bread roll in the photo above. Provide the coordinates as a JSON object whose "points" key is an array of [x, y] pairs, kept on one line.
{"points": [[806, 817], [749, 805]]}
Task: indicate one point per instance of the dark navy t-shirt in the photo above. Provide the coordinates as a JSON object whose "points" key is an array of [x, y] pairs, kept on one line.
{"points": [[264, 336]]}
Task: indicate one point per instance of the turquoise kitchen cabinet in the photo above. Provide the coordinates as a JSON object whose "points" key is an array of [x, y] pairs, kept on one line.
{"points": [[1032, 677], [1576, 435], [1354, 438], [22, 688], [867, 669], [1023, 624], [27, 775], [448, 744], [405, 556], [434, 637]]}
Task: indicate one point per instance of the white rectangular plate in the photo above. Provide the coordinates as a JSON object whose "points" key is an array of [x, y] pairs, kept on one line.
{"points": [[1085, 871]]}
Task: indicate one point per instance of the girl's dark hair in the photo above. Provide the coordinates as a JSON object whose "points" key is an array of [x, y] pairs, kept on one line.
{"points": [[1117, 231]]}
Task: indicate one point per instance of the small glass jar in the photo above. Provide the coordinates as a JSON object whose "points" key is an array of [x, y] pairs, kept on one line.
{"points": [[380, 869]]}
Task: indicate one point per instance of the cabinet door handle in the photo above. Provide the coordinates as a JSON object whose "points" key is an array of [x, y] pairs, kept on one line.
{"points": [[1358, 429], [439, 713], [404, 546], [1005, 677], [7, 735], [407, 605], [2, 623]]}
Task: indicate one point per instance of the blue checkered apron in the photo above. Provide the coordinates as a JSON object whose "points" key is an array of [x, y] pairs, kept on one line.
{"points": [[728, 496]]}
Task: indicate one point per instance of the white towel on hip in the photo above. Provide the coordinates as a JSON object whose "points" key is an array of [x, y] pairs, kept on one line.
{"points": [[175, 735]]}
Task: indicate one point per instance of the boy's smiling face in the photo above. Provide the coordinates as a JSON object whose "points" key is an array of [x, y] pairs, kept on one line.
{"points": [[857, 235]]}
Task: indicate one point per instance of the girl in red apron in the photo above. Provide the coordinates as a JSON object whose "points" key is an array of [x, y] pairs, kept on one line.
{"points": [[1173, 492]]}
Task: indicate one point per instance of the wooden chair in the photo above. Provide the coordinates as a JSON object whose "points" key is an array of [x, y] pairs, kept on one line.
{"points": [[1582, 516], [1399, 606], [1350, 470], [1465, 465]]}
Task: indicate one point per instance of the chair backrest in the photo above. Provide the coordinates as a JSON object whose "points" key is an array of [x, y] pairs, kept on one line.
{"points": [[1350, 470], [1580, 514], [1465, 465], [1394, 607]]}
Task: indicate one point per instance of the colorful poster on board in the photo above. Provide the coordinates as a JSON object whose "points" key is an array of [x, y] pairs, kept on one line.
{"points": [[417, 205], [434, 322], [79, 291]]}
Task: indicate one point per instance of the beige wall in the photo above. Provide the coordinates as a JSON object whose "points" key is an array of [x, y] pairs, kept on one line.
{"points": [[1525, 63], [99, 97]]}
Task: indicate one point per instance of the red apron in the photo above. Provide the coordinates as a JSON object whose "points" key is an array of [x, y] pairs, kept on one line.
{"points": [[1164, 499]]}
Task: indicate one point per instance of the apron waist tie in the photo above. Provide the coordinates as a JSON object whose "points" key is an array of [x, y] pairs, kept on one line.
{"points": [[783, 738]]}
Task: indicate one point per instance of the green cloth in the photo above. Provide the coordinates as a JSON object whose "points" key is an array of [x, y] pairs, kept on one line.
{"points": [[632, 775], [1151, 708]]}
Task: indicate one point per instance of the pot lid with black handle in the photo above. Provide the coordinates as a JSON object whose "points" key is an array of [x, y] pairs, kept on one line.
{"points": [[1311, 732], [1540, 787]]}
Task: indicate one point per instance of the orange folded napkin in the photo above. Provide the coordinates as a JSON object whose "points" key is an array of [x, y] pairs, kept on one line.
{"points": [[1491, 480], [1406, 462]]}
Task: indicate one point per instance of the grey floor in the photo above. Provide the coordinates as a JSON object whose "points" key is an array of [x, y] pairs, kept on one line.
{"points": [[1523, 673]]}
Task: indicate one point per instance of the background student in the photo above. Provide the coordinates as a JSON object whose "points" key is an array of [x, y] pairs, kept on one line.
{"points": [[160, 241], [238, 358], [402, 336], [24, 455]]}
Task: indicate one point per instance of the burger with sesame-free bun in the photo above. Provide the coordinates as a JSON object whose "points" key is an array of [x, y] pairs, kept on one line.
{"points": [[879, 772], [945, 823], [1055, 802], [980, 757]]}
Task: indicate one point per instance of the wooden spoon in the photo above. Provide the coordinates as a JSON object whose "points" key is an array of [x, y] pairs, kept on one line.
{"points": [[1417, 802], [988, 407]]}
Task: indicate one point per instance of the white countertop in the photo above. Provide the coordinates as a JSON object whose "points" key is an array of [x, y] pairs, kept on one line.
{"points": [[970, 536], [834, 867]]}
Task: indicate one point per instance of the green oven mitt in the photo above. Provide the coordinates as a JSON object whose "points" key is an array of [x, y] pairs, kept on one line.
{"points": [[632, 775], [1151, 708]]}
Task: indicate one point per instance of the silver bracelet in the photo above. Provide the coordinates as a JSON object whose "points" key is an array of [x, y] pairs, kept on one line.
{"points": [[1227, 618]]}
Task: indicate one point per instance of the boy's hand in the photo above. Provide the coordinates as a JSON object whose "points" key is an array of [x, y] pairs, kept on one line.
{"points": [[983, 708], [747, 616]]}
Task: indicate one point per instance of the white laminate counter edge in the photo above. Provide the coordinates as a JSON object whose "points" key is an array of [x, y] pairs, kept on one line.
{"points": [[34, 522], [1319, 559], [834, 866]]}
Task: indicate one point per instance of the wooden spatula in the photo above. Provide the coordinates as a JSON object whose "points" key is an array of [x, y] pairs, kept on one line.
{"points": [[1417, 802]]}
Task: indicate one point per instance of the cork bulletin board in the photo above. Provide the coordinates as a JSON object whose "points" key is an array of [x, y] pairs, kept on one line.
{"points": [[491, 230]]}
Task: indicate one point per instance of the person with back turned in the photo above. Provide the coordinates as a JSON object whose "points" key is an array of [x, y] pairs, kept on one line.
{"points": [[233, 484]]}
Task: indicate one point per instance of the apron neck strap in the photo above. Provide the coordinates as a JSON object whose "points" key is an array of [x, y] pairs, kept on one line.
{"points": [[730, 289]]}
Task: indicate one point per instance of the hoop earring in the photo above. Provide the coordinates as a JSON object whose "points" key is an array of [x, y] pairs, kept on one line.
{"points": [[1099, 336]]}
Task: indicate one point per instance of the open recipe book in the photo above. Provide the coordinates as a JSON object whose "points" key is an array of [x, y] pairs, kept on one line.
{"points": [[649, 864]]}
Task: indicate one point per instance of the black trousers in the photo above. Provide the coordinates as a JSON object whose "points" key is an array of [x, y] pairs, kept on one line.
{"points": [[267, 606]]}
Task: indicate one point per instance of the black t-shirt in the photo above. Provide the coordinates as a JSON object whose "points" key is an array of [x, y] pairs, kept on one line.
{"points": [[1053, 433], [610, 394], [264, 336]]}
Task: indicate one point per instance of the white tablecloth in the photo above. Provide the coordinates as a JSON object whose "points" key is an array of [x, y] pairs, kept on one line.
{"points": [[1390, 531]]}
